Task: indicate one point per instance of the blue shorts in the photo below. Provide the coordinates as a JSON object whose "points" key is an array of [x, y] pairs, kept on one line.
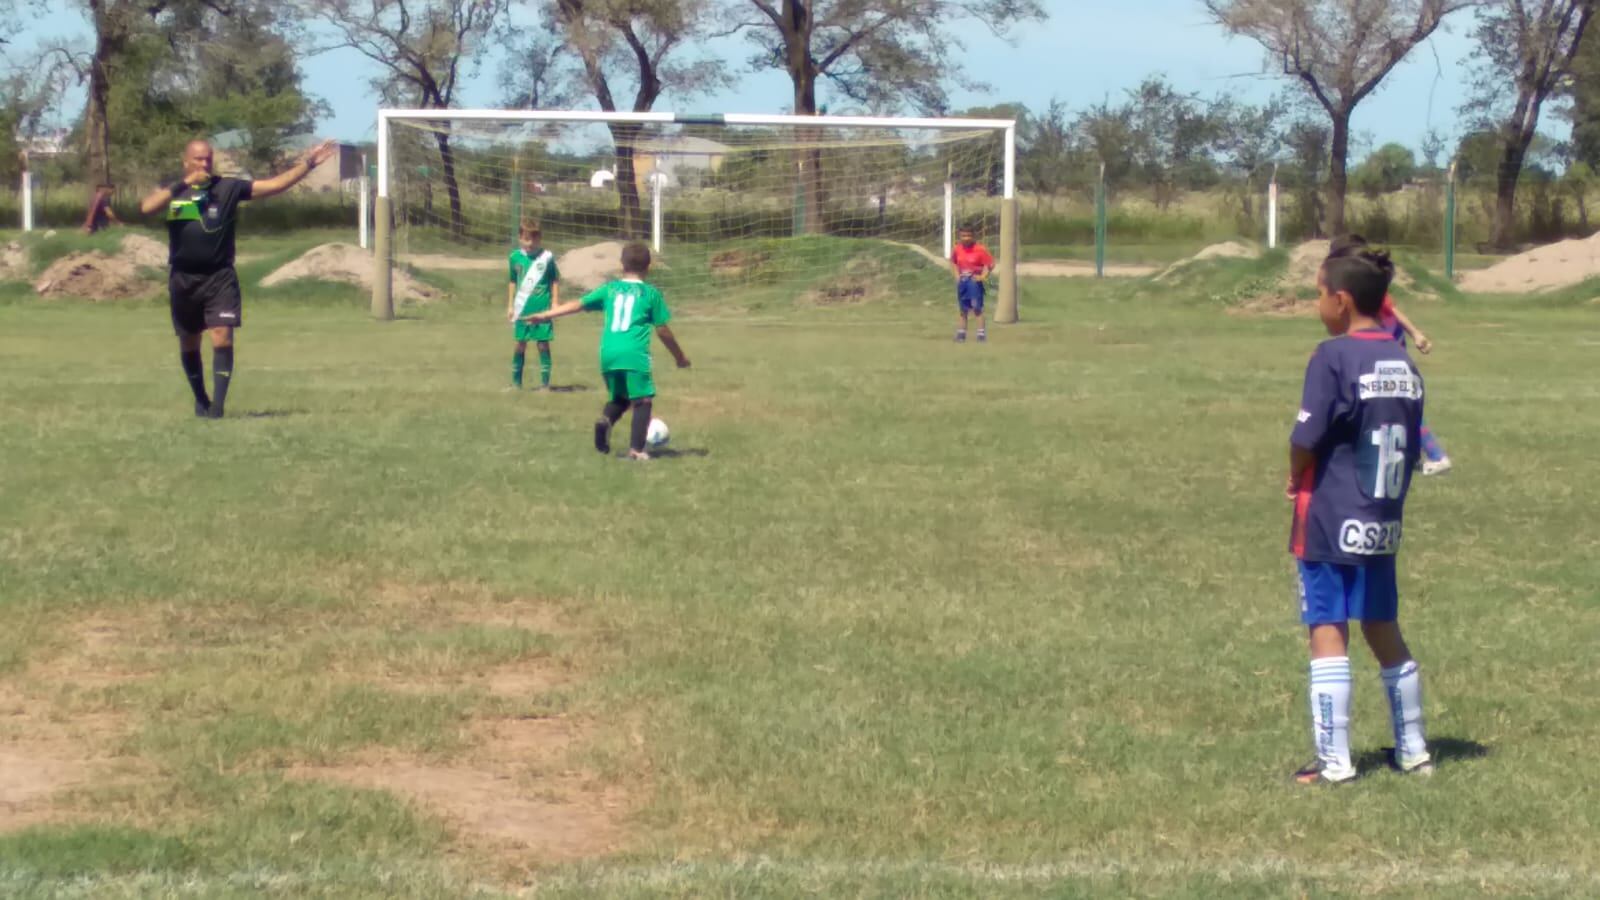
{"points": [[969, 294], [1332, 593]]}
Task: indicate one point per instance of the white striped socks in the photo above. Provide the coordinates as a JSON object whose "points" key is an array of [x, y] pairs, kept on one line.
{"points": [[1330, 713], [1403, 685]]}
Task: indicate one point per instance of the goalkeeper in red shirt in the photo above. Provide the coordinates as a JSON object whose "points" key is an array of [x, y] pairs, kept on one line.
{"points": [[973, 265]]}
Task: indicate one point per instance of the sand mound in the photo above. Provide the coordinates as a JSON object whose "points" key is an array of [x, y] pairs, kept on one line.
{"points": [[1541, 269], [144, 251], [348, 264], [94, 276], [1224, 250], [586, 268], [1305, 261]]}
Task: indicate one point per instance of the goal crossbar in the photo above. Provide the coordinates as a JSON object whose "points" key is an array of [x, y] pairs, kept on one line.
{"points": [[755, 120]]}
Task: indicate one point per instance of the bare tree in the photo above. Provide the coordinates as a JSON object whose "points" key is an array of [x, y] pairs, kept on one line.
{"points": [[1339, 51], [635, 46], [427, 48], [1528, 46], [534, 73], [884, 53]]}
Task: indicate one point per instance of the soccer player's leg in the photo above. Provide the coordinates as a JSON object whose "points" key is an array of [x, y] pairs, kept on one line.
{"points": [[616, 383], [519, 355], [1434, 460], [1402, 679], [544, 356], [188, 321], [224, 307], [978, 293], [963, 305], [642, 390], [1324, 609]]}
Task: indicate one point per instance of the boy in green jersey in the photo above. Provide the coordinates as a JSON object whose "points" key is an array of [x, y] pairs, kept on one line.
{"points": [[535, 286], [630, 309]]}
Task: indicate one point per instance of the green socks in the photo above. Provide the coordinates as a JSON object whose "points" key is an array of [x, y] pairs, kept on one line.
{"points": [[544, 368], [518, 361]]}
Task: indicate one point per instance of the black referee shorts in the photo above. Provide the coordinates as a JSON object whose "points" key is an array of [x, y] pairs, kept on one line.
{"points": [[202, 300]]}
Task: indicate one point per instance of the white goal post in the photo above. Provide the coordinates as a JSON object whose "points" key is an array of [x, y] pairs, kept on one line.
{"points": [[843, 135]]}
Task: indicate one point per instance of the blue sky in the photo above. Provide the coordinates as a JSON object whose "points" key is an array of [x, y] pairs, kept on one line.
{"points": [[1090, 49]]}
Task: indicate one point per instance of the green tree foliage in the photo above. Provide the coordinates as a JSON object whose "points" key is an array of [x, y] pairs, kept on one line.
{"points": [[1526, 51], [1583, 92], [629, 52], [425, 50], [1339, 51], [1388, 169], [160, 73]]}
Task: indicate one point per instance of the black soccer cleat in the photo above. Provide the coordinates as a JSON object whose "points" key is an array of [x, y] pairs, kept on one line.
{"points": [[214, 411], [202, 409], [1316, 772], [602, 436]]}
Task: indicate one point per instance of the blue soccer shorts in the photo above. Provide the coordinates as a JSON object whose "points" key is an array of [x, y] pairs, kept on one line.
{"points": [[969, 294], [1333, 593]]}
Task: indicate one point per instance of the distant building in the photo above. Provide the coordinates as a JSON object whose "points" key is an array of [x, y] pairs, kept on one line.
{"points": [[333, 175], [48, 143], [676, 158]]}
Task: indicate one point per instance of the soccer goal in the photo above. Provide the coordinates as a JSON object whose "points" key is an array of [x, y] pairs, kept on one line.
{"points": [[818, 209]]}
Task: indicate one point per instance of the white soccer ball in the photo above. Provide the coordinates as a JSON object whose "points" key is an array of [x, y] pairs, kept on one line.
{"points": [[658, 434]]}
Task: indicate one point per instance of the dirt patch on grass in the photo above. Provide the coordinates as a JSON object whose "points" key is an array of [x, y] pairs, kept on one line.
{"points": [[463, 603], [443, 262], [144, 251], [1224, 250], [865, 279], [518, 791], [13, 262], [736, 264], [1287, 297], [1557, 265], [586, 268], [349, 264], [61, 734], [1277, 305], [514, 792], [1052, 268], [94, 276]]}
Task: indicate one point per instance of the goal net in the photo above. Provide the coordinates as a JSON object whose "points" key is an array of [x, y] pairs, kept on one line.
{"points": [[819, 210]]}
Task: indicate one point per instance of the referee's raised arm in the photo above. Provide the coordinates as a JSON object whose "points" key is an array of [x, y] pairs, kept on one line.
{"points": [[288, 178]]}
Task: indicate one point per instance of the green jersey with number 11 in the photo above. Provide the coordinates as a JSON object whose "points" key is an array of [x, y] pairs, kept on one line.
{"points": [[632, 310]]}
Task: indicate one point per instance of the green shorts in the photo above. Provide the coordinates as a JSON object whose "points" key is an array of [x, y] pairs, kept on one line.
{"points": [[533, 331], [626, 385]]}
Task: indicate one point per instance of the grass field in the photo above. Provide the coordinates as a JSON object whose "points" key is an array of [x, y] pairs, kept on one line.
{"points": [[899, 618]]}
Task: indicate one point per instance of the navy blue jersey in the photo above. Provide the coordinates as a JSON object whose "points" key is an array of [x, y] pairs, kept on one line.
{"points": [[1361, 414]]}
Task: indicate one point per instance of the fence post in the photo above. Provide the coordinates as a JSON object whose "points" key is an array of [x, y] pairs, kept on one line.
{"points": [[1450, 225], [657, 213], [949, 215], [27, 194], [1100, 224], [364, 191], [1272, 210]]}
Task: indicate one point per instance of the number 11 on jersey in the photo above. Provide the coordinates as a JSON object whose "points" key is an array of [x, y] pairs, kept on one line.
{"points": [[622, 312]]}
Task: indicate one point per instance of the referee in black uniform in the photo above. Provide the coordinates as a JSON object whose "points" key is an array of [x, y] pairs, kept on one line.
{"points": [[202, 212]]}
